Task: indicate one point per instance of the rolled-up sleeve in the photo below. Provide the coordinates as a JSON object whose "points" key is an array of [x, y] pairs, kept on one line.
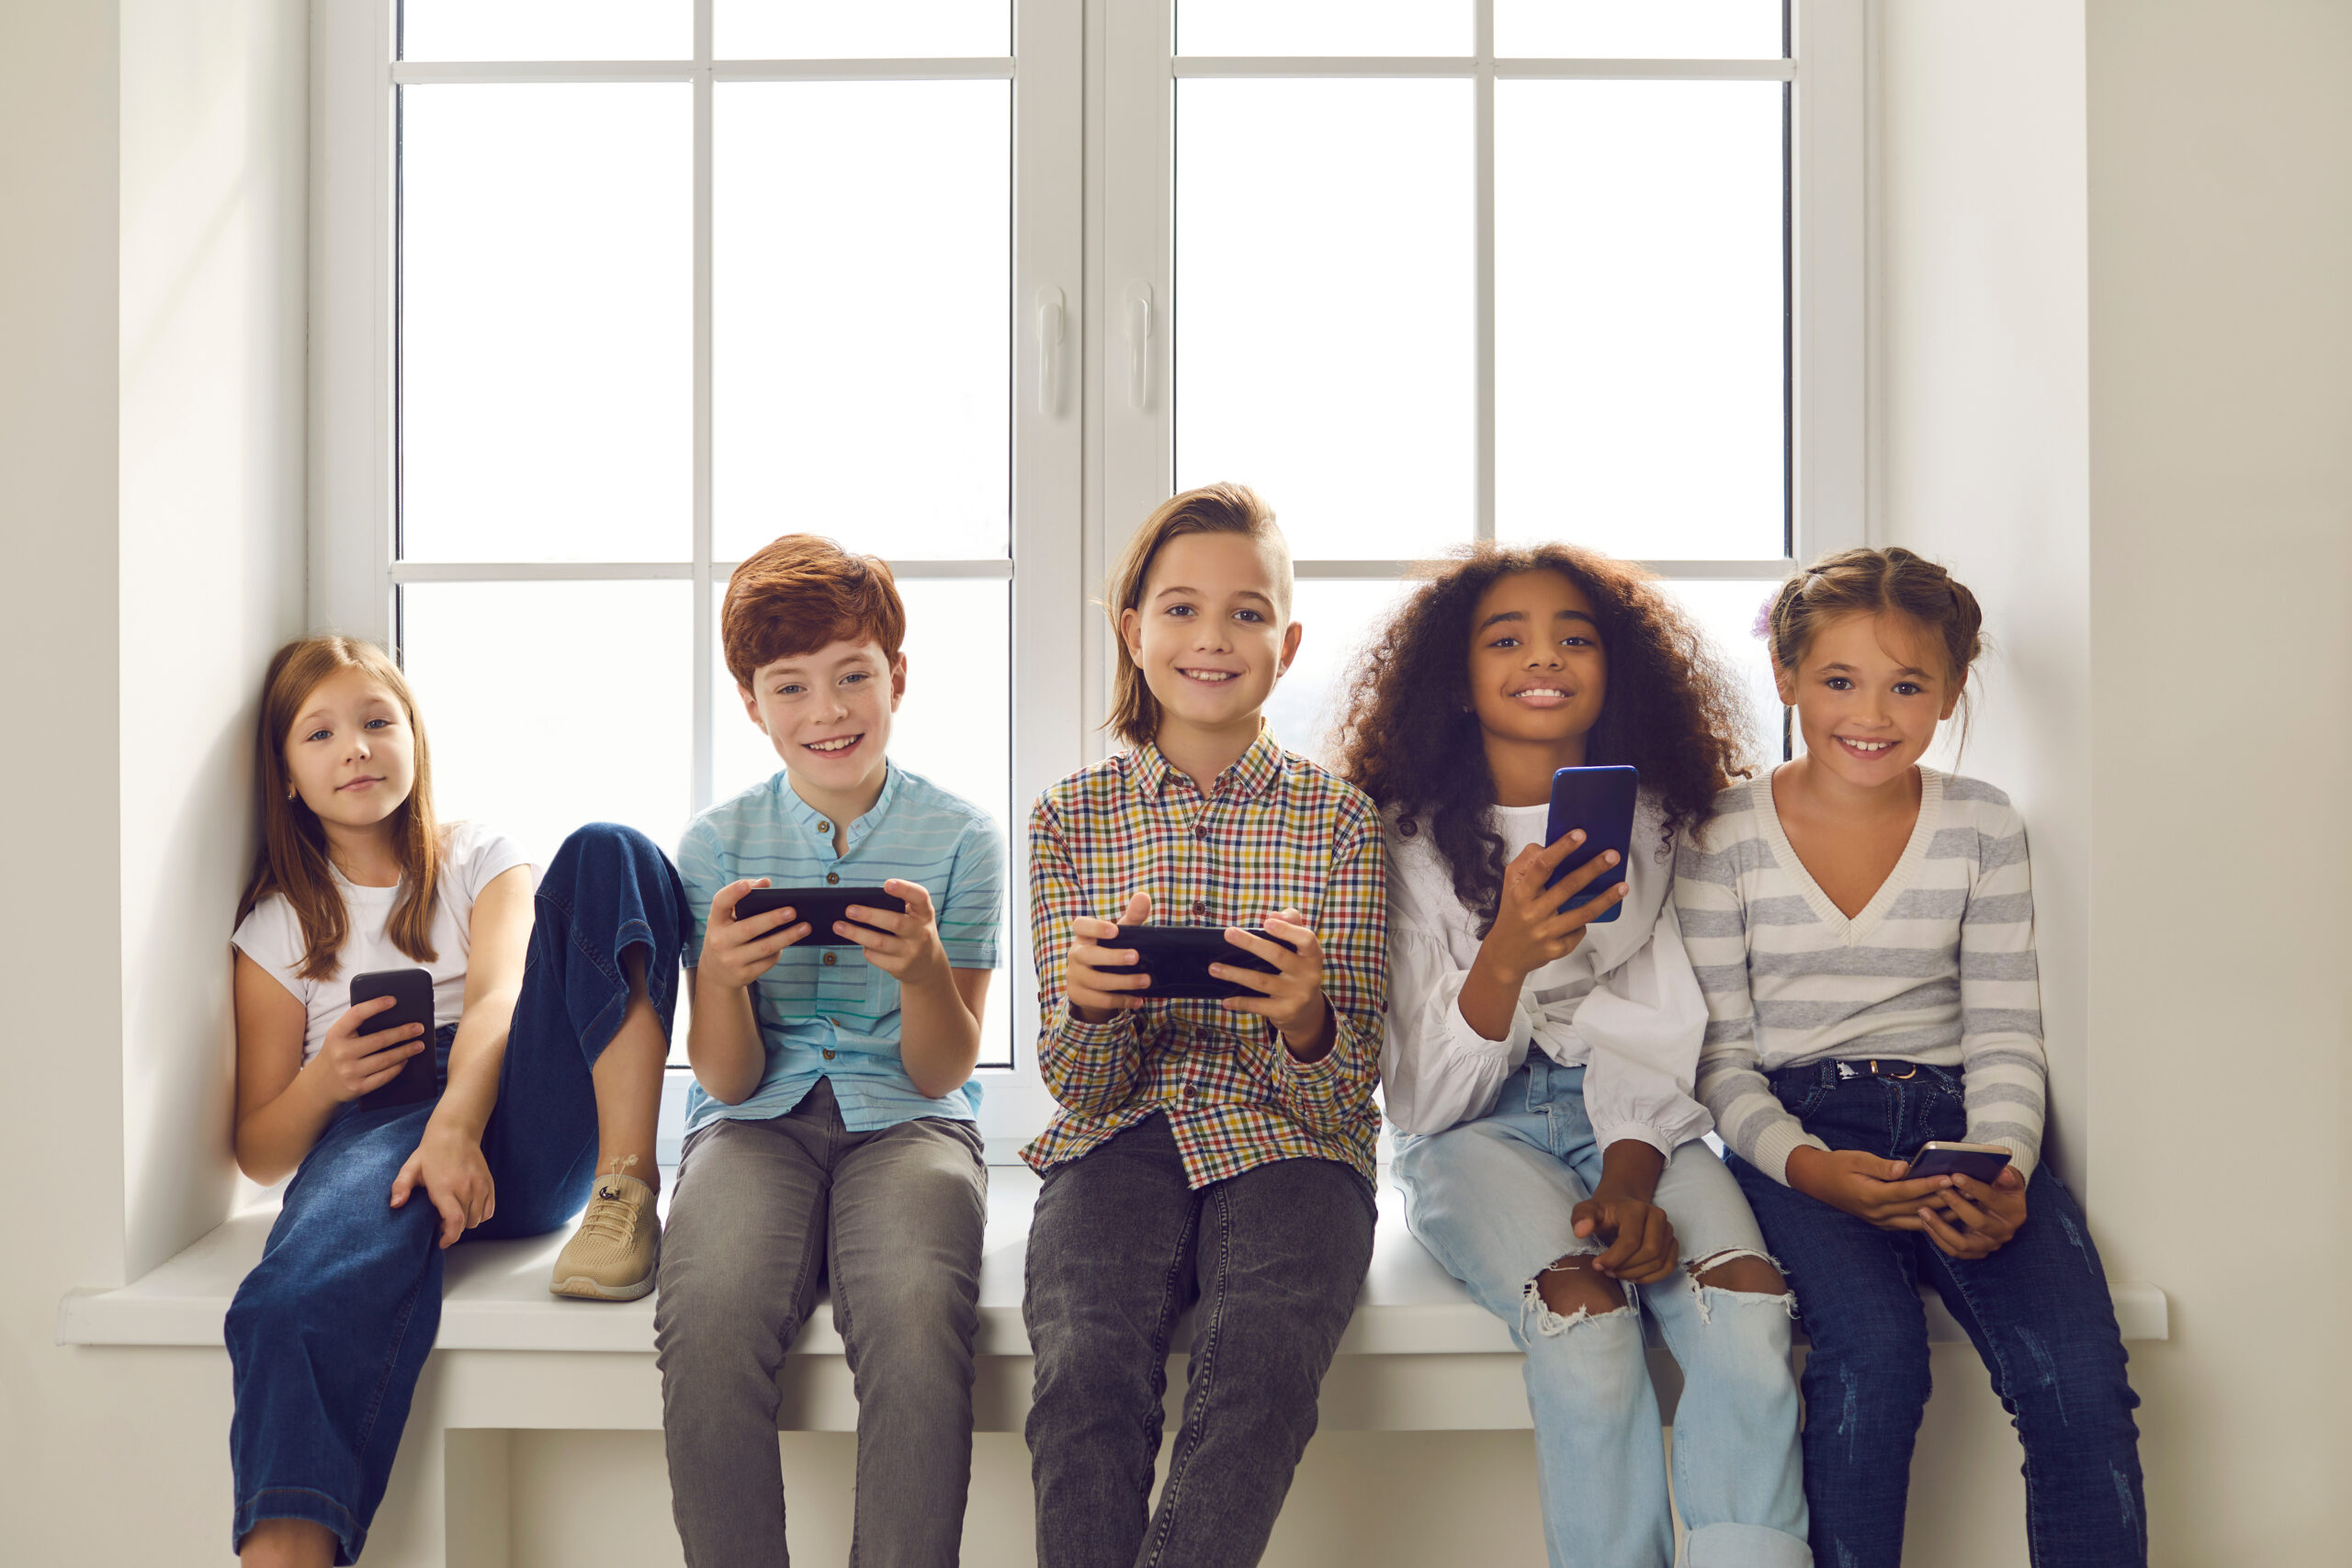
{"points": [[1435, 1069]]}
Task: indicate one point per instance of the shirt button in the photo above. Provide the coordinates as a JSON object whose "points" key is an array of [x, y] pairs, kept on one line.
{"points": [[1200, 829], [825, 827], [833, 877], [1192, 1091], [828, 1055], [828, 960], [1199, 906]]}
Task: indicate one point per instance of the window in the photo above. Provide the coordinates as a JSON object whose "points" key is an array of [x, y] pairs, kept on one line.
{"points": [[607, 295]]}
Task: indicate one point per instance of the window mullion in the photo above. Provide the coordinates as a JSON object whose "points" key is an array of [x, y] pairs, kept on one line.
{"points": [[705, 631], [1484, 251]]}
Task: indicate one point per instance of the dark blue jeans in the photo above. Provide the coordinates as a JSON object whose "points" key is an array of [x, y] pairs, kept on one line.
{"points": [[2038, 1310], [328, 1334]]}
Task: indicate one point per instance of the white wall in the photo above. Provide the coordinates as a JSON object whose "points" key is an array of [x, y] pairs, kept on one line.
{"points": [[2220, 556], [150, 471]]}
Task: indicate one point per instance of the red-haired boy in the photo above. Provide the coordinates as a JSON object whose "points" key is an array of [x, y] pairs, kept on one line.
{"points": [[829, 1134]]}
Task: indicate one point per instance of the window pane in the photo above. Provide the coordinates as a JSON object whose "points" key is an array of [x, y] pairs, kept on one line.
{"points": [[829, 29], [860, 350], [1324, 316], [1338, 615], [1726, 614], [954, 727], [1640, 363], [546, 29], [1323, 27], [1638, 30], [548, 705], [545, 319]]}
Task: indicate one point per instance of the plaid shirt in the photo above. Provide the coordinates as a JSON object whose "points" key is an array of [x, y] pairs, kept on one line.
{"points": [[1276, 833]]}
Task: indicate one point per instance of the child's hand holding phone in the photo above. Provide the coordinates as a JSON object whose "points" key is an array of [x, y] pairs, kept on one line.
{"points": [[1530, 931], [1291, 998], [352, 1062], [1989, 1213], [736, 952], [1095, 997], [904, 947], [1866, 1187]]}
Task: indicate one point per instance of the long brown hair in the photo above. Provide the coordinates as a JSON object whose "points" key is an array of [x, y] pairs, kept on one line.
{"points": [[1410, 741], [1222, 508], [293, 856]]}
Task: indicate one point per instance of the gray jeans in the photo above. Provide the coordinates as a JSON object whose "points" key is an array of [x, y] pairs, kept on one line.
{"points": [[1270, 1261], [763, 1211]]}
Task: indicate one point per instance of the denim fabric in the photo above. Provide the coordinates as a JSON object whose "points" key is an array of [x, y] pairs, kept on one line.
{"points": [[763, 1211], [329, 1332], [1491, 1198], [2038, 1310], [1271, 1260]]}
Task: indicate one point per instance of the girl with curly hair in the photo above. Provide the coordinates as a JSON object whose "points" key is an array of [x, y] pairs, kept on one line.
{"points": [[1538, 1066]]}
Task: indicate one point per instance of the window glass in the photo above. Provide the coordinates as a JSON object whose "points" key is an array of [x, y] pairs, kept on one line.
{"points": [[1323, 27], [546, 315], [546, 29], [1325, 350], [1638, 30], [1340, 615], [861, 337], [1726, 614], [1640, 356], [831, 29]]}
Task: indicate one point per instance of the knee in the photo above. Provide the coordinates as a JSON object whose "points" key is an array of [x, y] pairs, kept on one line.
{"points": [[2071, 1380], [1571, 1289], [1745, 1273], [1886, 1371]]}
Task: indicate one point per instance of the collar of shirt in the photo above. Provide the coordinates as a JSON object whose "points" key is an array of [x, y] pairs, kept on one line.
{"points": [[817, 825], [1252, 773]]}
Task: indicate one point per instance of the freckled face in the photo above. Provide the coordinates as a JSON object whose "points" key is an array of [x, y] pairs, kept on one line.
{"points": [[1211, 632], [1868, 694], [1538, 672], [351, 754]]}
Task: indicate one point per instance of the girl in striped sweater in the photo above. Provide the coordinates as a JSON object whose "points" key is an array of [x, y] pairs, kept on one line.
{"points": [[1862, 927]]}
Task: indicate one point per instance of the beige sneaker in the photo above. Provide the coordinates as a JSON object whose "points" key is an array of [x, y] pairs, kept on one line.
{"points": [[610, 1257]]}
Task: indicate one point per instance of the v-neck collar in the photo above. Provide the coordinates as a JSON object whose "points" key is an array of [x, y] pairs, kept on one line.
{"points": [[1850, 931]]}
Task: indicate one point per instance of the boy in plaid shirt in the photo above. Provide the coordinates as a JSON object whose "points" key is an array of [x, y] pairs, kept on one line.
{"points": [[1216, 1155]]}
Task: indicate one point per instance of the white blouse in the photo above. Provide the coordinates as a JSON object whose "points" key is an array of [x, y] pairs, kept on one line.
{"points": [[1626, 1005]]}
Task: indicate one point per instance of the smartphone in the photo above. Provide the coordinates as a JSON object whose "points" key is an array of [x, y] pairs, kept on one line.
{"points": [[821, 907], [412, 993], [1599, 801], [1178, 958], [1938, 1157]]}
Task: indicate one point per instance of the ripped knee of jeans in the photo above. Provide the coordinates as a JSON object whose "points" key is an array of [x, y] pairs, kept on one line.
{"points": [[1740, 1274], [1569, 1291]]}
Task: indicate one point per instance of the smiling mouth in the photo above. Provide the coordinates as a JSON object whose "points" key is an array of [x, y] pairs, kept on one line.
{"points": [[1865, 747], [1210, 677], [834, 746], [366, 782], [1542, 694]]}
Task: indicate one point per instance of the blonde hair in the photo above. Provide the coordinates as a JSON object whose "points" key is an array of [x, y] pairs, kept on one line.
{"points": [[292, 860], [1222, 508]]}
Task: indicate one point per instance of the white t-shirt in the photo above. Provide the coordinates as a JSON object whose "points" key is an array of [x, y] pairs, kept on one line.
{"points": [[472, 856]]}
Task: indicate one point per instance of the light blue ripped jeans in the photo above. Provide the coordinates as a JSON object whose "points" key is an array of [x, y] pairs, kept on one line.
{"points": [[1491, 1200]]}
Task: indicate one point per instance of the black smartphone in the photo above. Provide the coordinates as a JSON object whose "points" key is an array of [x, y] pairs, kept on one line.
{"points": [[1943, 1157], [1599, 801], [412, 994], [1178, 958], [821, 907]]}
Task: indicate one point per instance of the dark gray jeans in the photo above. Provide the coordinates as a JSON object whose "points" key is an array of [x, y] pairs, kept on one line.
{"points": [[1273, 1259], [765, 1210]]}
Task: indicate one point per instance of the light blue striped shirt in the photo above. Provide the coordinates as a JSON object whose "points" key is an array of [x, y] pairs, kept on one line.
{"points": [[839, 1019]]}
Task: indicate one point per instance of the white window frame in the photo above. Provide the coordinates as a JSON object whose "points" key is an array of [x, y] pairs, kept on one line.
{"points": [[1093, 84]]}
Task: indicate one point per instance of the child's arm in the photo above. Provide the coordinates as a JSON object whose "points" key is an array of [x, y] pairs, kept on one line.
{"points": [[939, 1006], [1330, 1027], [284, 1105], [448, 1162], [1091, 1059], [724, 1046]]}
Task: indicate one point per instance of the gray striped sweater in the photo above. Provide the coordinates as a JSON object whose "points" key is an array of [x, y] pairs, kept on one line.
{"points": [[1937, 968]]}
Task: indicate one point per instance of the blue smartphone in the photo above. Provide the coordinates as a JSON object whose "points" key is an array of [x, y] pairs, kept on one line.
{"points": [[1599, 801]]}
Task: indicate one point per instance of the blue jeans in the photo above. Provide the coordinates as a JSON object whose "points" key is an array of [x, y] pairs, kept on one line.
{"points": [[2038, 1310], [328, 1334], [1491, 1200]]}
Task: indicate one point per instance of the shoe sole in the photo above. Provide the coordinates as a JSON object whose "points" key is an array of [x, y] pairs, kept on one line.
{"points": [[582, 1288]]}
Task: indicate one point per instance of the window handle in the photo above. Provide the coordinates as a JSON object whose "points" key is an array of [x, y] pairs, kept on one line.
{"points": [[1051, 327], [1138, 345]]}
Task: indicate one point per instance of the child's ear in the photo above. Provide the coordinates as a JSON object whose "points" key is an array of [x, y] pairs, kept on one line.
{"points": [[1131, 634], [750, 706], [1784, 681], [897, 681], [1290, 649], [1951, 703]]}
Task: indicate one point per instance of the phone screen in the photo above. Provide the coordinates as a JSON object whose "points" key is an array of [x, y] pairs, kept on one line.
{"points": [[1601, 801]]}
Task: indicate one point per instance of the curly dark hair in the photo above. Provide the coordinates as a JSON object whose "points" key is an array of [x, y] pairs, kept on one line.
{"points": [[1673, 707]]}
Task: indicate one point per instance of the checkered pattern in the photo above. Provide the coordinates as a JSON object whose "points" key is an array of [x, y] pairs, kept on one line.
{"points": [[1276, 833]]}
